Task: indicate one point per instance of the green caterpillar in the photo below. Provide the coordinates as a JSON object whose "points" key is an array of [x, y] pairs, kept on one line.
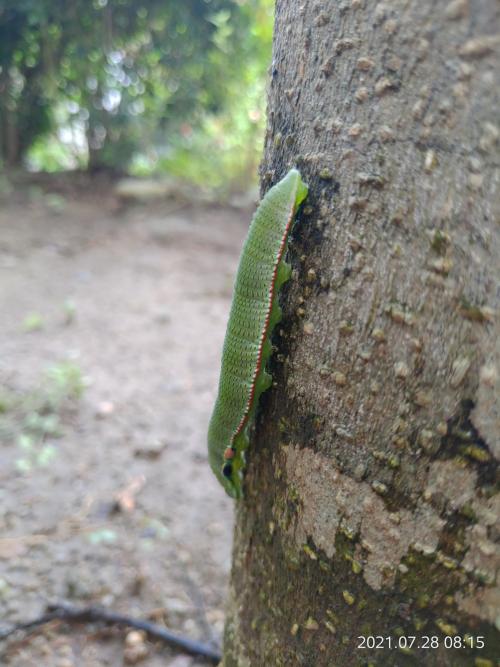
{"points": [[255, 311]]}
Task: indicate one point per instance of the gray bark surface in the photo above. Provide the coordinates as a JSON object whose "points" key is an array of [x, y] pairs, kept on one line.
{"points": [[372, 504]]}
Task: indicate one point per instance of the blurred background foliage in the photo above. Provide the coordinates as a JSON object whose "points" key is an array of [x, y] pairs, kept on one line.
{"points": [[143, 87]]}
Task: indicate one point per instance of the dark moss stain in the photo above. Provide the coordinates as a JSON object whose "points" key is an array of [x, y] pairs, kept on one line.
{"points": [[307, 239], [452, 538], [463, 440]]}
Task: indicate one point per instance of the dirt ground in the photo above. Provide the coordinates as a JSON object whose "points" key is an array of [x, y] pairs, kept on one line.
{"points": [[112, 320]]}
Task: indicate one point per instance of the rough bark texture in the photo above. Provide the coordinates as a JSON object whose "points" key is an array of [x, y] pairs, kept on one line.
{"points": [[371, 506]]}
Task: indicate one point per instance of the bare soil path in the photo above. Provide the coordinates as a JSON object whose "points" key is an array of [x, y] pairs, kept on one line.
{"points": [[105, 494]]}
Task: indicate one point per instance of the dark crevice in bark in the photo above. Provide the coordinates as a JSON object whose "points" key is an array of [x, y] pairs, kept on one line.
{"points": [[464, 440]]}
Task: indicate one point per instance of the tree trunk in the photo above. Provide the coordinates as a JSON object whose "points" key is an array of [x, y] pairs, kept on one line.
{"points": [[9, 138], [370, 506]]}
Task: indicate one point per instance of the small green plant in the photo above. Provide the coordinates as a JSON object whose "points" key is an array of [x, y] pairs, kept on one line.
{"points": [[33, 455], [6, 402], [64, 381], [43, 425], [33, 322], [69, 311], [102, 536], [32, 420]]}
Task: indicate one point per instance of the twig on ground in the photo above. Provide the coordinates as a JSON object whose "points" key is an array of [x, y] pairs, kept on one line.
{"points": [[63, 611]]}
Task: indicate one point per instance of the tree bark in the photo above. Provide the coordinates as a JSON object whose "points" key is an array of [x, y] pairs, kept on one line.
{"points": [[370, 501]]}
